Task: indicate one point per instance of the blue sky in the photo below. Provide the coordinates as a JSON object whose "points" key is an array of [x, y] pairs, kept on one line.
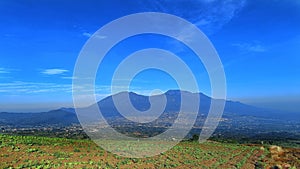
{"points": [[257, 41]]}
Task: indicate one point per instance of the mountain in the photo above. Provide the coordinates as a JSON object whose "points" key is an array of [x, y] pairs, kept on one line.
{"points": [[141, 103], [67, 116], [60, 117]]}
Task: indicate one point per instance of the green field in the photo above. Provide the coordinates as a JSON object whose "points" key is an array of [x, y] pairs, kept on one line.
{"points": [[44, 152]]}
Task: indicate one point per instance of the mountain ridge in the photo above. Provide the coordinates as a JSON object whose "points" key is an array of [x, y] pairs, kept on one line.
{"points": [[67, 116]]}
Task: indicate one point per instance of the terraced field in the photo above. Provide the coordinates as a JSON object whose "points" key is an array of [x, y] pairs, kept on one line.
{"points": [[44, 152]]}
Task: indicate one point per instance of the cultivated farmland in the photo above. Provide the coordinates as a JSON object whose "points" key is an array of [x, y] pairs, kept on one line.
{"points": [[44, 152]]}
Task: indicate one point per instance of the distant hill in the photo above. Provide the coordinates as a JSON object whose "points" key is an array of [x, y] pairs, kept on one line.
{"points": [[60, 117]]}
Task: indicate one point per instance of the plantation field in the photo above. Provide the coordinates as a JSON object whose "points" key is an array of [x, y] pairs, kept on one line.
{"points": [[44, 152]]}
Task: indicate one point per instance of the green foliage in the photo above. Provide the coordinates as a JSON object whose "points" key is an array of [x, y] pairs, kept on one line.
{"points": [[70, 153]]}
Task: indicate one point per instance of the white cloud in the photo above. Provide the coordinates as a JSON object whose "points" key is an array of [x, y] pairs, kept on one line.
{"points": [[54, 71], [4, 71], [208, 15], [86, 34], [250, 47], [217, 14], [21, 88], [69, 77]]}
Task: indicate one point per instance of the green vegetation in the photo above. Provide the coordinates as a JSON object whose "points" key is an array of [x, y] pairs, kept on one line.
{"points": [[43, 152]]}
